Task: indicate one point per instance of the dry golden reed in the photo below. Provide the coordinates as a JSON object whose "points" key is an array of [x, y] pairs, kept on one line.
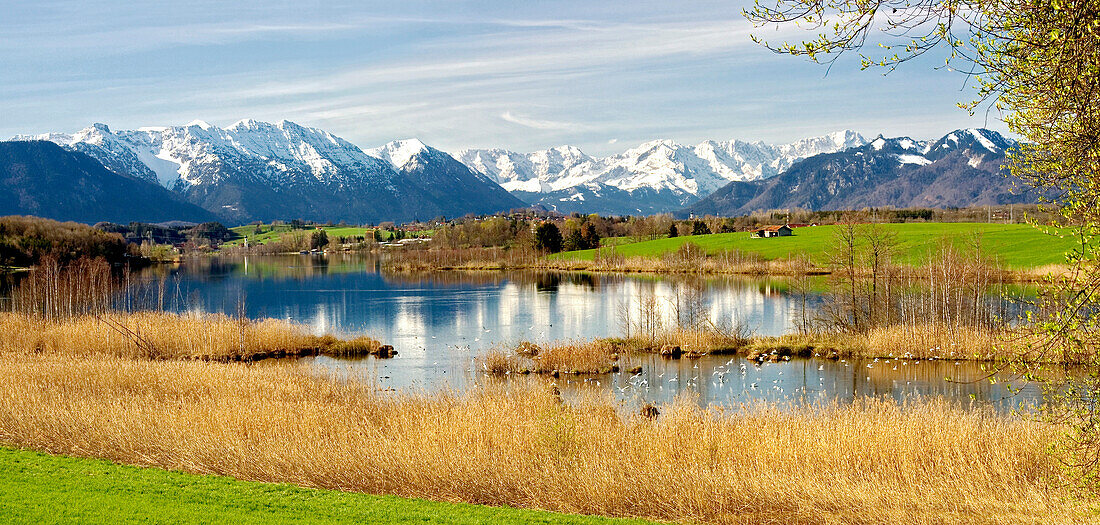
{"points": [[701, 341], [925, 341], [598, 356], [157, 335], [870, 462], [603, 355]]}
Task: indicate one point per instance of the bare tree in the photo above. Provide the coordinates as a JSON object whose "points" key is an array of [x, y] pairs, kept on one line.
{"points": [[844, 259]]}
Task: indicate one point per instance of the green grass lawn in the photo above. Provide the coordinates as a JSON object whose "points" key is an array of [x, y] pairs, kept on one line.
{"points": [[275, 233], [39, 488], [1016, 245]]}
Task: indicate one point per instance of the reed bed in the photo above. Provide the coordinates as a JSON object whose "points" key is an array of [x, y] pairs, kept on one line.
{"points": [[869, 462], [690, 341], [158, 335], [925, 341], [599, 356], [605, 355]]}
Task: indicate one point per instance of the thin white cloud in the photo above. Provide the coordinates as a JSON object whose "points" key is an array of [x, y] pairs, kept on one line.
{"points": [[508, 58], [536, 123]]}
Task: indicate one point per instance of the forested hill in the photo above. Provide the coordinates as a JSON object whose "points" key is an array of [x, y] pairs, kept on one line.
{"points": [[40, 178]]}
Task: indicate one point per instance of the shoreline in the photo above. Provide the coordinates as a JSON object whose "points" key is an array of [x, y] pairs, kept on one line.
{"points": [[601, 356], [1031, 275], [441, 261]]}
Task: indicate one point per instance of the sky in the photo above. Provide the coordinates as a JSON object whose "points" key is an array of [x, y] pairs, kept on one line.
{"points": [[603, 76]]}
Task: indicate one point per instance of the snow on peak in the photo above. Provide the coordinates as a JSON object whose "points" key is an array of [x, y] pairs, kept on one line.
{"points": [[660, 164], [655, 144], [878, 143], [284, 153], [979, 135], [844, 138], [977, 139], [566, 150], [97, 134], [526, 172], [244, 124], [400, 152], [913, 159]]}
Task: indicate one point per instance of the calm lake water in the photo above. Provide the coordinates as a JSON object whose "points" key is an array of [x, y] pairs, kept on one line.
{"points": [[439, 322]]}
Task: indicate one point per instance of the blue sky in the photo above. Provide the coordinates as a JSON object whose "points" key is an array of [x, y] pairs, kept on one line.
{"points": [[520, 75]]}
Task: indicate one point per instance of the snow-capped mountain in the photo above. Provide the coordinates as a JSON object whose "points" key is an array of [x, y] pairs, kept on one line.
{"points": [[961, 169], [656, 176], [258, 170], [525, 172], [198, 153], [262, 171], [443, 178]]}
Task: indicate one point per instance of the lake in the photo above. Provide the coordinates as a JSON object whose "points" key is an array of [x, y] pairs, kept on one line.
{"points": [[439, 322]]}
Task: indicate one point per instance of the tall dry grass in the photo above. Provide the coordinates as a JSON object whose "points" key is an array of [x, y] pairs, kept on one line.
{"points": [[158, 335], [870, 462], [598, 356], [604, 355], [929, 341], [938, 341], [690, 340], [924, 341]]}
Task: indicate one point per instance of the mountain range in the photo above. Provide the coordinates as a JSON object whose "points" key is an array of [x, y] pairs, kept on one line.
{"points": [[655, 177], [963, 168], [262, 171]]}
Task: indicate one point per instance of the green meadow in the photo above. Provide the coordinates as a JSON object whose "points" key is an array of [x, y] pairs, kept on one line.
{"points": [[271, 233], [39, 488], [1017, 246]]}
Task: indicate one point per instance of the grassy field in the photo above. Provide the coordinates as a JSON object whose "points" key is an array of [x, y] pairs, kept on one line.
{"points": [[36, 487], [274, 233], [1017, 246]]}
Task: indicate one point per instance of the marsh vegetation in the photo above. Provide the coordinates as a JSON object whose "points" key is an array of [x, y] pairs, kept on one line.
{"points": [[524, 446], [90, 372]]}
